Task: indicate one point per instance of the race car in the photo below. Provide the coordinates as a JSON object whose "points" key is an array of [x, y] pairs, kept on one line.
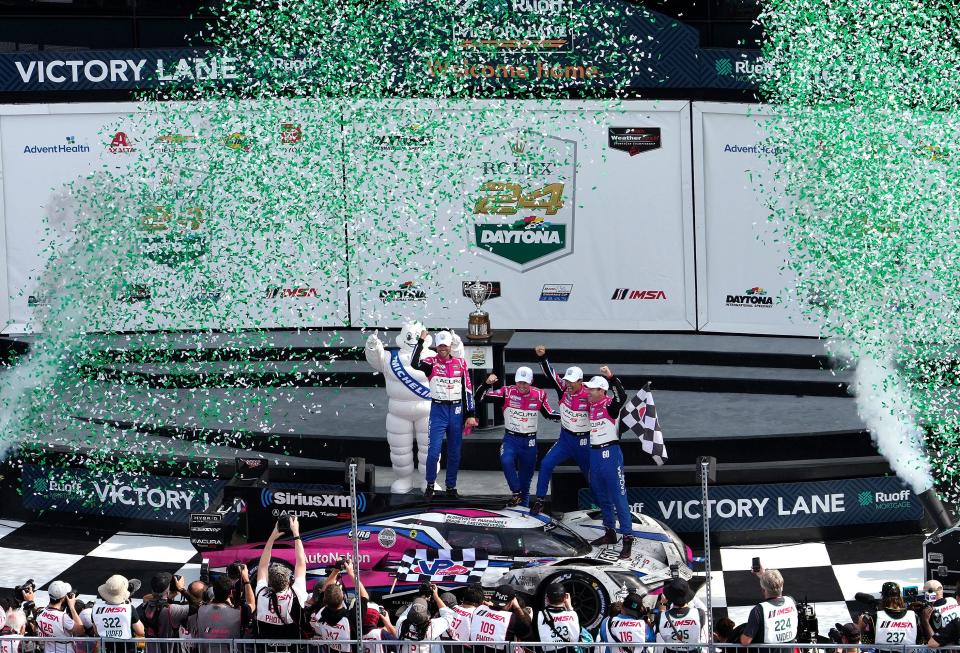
{"points": [[525, 551]]}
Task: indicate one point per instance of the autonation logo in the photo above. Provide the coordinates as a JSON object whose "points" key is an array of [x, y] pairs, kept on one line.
{"points": [[269, 498]]}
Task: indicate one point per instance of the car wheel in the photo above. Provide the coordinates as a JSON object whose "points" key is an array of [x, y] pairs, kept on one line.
{"points": [[590, 600]]}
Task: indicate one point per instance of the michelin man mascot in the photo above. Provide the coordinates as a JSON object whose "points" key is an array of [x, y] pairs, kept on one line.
{"points": [[408, 410]]}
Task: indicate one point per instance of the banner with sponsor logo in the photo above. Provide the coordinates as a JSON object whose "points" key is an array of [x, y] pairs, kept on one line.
{"points": [[743, 285], [580, 216], [190, 260], [812, 504], [130, 496]]}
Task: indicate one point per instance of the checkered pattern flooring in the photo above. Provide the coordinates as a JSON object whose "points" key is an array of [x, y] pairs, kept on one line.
{"points": [[826, 574]]}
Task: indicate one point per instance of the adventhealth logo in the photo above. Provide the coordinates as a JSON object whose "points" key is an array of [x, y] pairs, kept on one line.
{"points": [[69, 146]]}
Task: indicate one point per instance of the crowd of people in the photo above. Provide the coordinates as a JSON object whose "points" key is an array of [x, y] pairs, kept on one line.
{"points": [[275, 605], [589, 433]]}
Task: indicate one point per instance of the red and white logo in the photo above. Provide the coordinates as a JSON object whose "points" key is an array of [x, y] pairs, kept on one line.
{"points": [[290, 133], [120, 144], [627, 293]]}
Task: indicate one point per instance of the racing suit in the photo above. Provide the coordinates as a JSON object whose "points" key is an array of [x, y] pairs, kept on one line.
{"points": [[574, 440], [518, 452], [606, 460], [451, 395]]}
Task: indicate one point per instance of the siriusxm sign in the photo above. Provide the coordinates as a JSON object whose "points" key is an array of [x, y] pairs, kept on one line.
{"points": [[304, 503], [777, 505]]}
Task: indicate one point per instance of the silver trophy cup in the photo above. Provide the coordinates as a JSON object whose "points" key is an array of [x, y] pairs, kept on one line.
{"points": [[478, 325]]}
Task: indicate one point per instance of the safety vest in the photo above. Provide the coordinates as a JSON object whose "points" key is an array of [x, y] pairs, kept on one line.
{"points": [[949, 611], [328, 633], [558, 625], [521, 412], [678, 627], [372, 635], [50, 622], [896, 630], [489, 625], [575, 410], [780, 622], [460, 624], [603, 429], [447, 379], [218, 621], [113, 621], [622, 629]]}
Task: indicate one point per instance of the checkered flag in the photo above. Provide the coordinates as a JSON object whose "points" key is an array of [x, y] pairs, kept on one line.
{"points": [[640, 416], [442, 565]]}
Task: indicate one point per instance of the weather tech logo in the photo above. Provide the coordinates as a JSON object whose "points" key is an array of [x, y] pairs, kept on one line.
{"points": [[633, 140], [407, 292], [525, 204], [626, 293], [755, 297]]}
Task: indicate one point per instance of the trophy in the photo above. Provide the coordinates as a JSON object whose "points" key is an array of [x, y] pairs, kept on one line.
{"points": [[478, 326]]}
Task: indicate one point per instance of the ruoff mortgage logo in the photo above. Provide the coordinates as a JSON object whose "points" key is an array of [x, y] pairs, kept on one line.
{"points": [[521, 194], [755, 297], [884, 500]]}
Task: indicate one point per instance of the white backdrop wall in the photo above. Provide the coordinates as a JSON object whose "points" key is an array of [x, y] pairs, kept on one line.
{"points": [[741, 275], [616, 244]]}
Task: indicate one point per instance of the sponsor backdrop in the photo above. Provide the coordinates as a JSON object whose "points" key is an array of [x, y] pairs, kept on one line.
{"points": [[131, 496], [777, 505], [580, 218], [576, 217], [741, 280]]}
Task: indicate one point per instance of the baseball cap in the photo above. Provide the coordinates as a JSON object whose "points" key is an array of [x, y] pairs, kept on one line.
{"points": [[849, 630], [449, 599], [371, 617], [418, 614], [58, 589], [524, 374], [633, 601], [555, 592], [443, 338], [573, 373], [890, 588], [598, 382], [503, 595]]}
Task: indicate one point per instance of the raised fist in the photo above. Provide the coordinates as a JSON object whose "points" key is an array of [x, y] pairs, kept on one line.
{"points": [[491, 379], [606, 371], [540, 350]]}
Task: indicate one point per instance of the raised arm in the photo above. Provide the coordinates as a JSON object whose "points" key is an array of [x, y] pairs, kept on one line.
{"points": [[548, 371], [547, 411], [485, 393], [619, 393], [374, 352], [361, 590], [300, 567], [415, 361], [265, 556]]}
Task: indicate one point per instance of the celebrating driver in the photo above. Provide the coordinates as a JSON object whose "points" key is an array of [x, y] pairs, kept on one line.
{"points": [[451, 398], [522, 405], [606, 460]]}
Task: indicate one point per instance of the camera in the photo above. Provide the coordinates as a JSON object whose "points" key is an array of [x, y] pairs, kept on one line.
{"points": [[173, 583], [807, 626], [340, 564], [26, 588], [283, 524], [233, 571]]}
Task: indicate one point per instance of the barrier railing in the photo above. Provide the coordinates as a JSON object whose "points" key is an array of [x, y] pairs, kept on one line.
{"points": [[17, 644]]}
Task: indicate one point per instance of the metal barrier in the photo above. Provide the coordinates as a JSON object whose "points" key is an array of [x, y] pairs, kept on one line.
{"points": [[17, 644]]}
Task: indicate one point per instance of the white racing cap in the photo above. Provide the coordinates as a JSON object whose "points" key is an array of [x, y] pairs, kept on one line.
{"points": [[443, 338], [573, 373], [598, 382], [524, 374]]}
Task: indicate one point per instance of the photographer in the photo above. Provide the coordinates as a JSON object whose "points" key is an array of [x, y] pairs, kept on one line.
{"points": [[895, 623], [775, 620], [681, 625], [330, 619], [463, 613], [60, 620], [504, 620], [557, 622], [113, 615], [26, 600], [221, 619], [847, 633], [376, 627], [161, 617], [280, 598], [940, 611], [13, 626], [630, 626], [418, 626]]}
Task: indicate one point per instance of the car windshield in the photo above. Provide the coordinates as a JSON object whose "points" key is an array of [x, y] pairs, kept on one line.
{"points": [[521, 542]]}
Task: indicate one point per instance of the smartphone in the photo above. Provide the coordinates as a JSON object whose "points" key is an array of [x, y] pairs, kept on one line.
{"points": [[756, 564]]}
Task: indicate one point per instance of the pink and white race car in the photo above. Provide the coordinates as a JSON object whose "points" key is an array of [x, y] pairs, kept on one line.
{"points": [[528, 552]]}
